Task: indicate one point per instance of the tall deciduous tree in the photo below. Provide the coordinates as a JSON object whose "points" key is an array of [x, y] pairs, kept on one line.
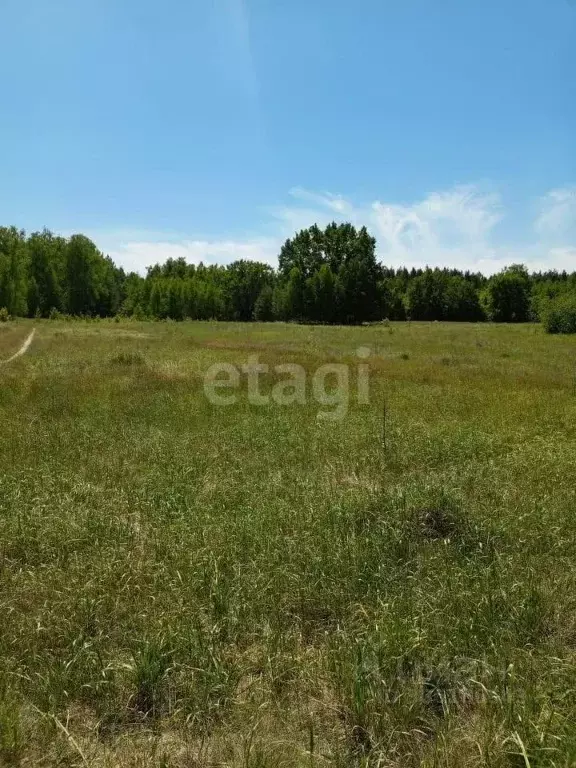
{"points": [[81, 278], [507, 296], [13, 283], [46, 260]]}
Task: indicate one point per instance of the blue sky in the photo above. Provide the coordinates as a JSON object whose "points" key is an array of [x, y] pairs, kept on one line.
{"points": [[213, 129]]}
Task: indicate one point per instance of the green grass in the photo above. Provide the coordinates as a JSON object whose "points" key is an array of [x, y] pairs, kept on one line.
{"points": [[190, 585]]}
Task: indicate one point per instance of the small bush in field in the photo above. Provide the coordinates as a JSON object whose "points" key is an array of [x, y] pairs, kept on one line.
{"points": [[127, 358], [439, 520], [150, 665], [4, 316], [54, 314], [12, 740], [559, 316]]}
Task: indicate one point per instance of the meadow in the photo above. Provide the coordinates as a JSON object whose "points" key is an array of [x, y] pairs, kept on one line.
{"points": [[186, 585]]}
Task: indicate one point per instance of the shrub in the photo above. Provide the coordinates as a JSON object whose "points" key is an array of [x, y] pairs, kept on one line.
{"points": [[4, 316], [440, 520], [54, 314], [150, 664], [12, 740], [127, 358], [559, 315]]}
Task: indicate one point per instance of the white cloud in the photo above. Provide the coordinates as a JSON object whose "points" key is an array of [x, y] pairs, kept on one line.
{"points": [[455, 227], [461, 218], [334, 203], [452, 227], [137, 254], [557, 216], [563, 258]]}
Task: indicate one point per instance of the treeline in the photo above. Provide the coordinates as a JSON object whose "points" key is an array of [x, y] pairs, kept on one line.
{"points": [[323, 276], [44, 273]]}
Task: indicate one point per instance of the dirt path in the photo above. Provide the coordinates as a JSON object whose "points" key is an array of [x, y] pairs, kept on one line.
{"points": [[22, 349]]}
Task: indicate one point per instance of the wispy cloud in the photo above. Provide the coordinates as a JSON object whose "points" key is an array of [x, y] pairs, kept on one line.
{"points": [[136, 254], [456, 227], [557, 217], [437, 228], [334, 203], [234, 31]]}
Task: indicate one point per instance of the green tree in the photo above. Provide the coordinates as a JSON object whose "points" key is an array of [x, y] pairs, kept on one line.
{"points": [[280, 301], [81, 278], [304, 252], [157, 304], [359, 281], [245, 281], [559, 314], [348, 293], [426, 296], [13, 283], [391, 299], [325, 293], [506, 298], [462, 300], [263, 308], [46, 259], [134, 301], [295, 295], [175, 299]]}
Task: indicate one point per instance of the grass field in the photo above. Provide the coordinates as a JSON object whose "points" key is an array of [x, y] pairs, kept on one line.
{"points": [[187, 585]]}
